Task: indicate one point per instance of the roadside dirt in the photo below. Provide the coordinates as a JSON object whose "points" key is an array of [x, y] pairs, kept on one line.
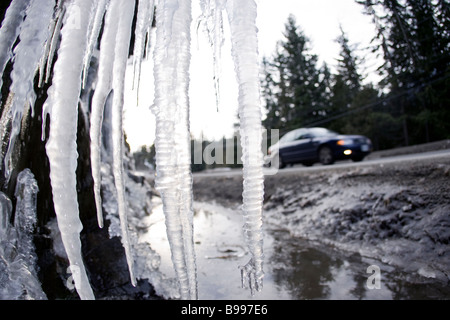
{"points": [[397, 212]]}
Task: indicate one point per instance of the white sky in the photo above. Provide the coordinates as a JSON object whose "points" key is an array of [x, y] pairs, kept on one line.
{"points": [[320, 21]]}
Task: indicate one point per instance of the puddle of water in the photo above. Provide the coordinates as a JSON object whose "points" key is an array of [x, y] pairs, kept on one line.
{"points": [[295, 269]]}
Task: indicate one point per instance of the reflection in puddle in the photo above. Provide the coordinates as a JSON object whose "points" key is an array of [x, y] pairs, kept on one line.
{"points": [[309, 271], [295, 268]]}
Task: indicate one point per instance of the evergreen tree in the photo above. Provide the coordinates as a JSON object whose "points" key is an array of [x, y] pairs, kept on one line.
{"points": [[348, 65], [413, 36], [295, 89], [347, 83]]}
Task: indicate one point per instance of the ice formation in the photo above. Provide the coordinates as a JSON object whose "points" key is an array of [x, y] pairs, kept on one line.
{"points": [[18, 277], [50, 49], [242, 20], [174, 179], [95, 27], [119, 69], [10, 30], [102, 91], [111, 75], [72, 29], [212, 18], [62, 146], [144, 23], [242, 17], [27, 55]]}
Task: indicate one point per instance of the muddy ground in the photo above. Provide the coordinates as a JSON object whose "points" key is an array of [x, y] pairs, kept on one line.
{"points": [[397, 212]]}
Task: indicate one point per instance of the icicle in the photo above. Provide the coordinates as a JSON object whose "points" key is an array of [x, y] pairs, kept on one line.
{"points": [[242, 16], [111, 74], [54, 31], [213, 20], [61, 146], [120, 63], [144, 18], [27, 55], [102, 90], [174, 179], [95, 26], [44, 58], [54, 42], [150, 21], [9, 31]]}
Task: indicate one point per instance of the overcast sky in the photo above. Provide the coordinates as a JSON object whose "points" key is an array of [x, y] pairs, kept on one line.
{"points": [[319, 19]]}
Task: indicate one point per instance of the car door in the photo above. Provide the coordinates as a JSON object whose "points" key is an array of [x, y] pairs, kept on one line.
{"points": [[299, 148], [307, 147], [288, 146], [304, 149]]}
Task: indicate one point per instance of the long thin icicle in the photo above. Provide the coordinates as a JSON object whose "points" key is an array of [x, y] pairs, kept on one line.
{"points": [[174, 179], [54, 29], [61, 146], [213, 21], [242, 17], [44, 58], [144, 18], [96, 25], [120, 64], [102, 90], [54, 42]]}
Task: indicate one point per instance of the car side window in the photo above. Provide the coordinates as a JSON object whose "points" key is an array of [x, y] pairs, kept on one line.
{"points": [[299, 134], [296, 135], [287, 137], [306, 136], [290, 136]]}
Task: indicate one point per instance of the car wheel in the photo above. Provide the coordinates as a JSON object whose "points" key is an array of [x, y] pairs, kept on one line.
{"points": [[326, 155]]}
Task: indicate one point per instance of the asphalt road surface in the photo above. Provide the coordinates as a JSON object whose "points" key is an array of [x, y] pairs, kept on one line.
{"points": [[424, 156]]}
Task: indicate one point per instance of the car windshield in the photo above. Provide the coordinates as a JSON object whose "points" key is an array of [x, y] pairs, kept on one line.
{"points": [[292, 135], [322, 132], [303, 133]]}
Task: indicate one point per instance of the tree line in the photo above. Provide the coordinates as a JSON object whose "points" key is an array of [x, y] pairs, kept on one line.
{"points": [[409, 105]]}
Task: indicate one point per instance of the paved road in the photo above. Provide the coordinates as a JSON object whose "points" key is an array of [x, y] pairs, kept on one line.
{"points": [[425, 156]]}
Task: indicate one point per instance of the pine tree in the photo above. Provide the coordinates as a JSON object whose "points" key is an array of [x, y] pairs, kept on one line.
{"points": [[295, 89], [414, 38], [348, 64], [346, 83]]}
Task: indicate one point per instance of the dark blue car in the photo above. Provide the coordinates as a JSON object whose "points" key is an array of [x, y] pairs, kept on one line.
{"points": [[311, 145]]}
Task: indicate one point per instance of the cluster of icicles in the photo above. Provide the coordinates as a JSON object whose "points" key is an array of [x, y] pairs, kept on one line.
{"points": [[72, 28]]}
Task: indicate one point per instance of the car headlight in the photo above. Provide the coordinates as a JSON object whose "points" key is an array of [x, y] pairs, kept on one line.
{"points": [[344, 142]]}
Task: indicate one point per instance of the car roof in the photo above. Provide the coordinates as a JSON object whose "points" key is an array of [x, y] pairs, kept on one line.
{"points": [[310, 129]]}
